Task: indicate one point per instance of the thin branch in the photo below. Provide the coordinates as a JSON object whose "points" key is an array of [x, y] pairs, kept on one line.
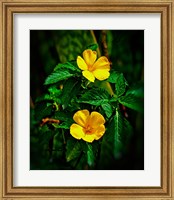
{"points": [[49, 121], [104, 43], [95, 41], [31, 103]]}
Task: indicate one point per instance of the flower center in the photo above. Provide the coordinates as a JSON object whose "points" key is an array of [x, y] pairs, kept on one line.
{"points": [[88, 129], [90, 68]]}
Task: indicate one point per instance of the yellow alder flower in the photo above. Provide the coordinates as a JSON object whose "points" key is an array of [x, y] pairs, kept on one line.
{"points": [[92, 68], [88, 127]]}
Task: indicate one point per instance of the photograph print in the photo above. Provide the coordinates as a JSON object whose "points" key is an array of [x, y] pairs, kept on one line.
{"points": [[86, 99]]}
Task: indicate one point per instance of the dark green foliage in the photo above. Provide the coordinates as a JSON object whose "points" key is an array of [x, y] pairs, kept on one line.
{"points": [[63, 116], [116, 141], [107, 109], [44, 97], [43, 109], [137, 90], [72, 66], [95, 96], [120, 83], [70, 89], [73, 149], [133, 102], [58, 75], [54, 91], [54, 96], [65, 120], [90, 155], [117, 132], [121, 130], [72, 43], [92, 47], [113, 77], [63, 125], [66, 91]]}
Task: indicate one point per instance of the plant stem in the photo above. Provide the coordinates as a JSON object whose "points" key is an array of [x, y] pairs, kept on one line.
{"points": [[104, 43], [105, 85], [95, 41]]}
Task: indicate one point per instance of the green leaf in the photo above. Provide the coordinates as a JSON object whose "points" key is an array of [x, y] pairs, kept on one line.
{"points": [[63, 116], [106, 153], [53, 96], [133, 102], [137, 90], [91, 152], [57, 76], [118, 127], [44, 129], [120, 82], [81, 165], [95, 96], [73, 149], [105, 85], [45, 134], [72, 66], [90, 155], [45, 97], [66, 119], [107, 109], [42, 110], [120, 85], [118, 134], [93, 47], [70, 89], [113, 77], [57, 145], [63, 125], [54, 91]]}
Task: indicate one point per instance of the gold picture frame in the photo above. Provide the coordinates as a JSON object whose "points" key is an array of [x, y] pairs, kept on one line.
{"points": [[8, 9]]}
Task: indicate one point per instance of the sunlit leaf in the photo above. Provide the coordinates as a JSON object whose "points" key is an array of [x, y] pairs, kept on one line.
{"points": [[57, 76], [95, 96], [107, 109], [120, 82], [72, 66]]}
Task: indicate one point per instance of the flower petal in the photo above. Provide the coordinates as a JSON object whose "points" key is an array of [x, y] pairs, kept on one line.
{"points": [[81, 63], [102, 63], [101, 74], [81, 117], [99, 132], [88, 138], [89, 56], [76, 131], [89, 75], [95, 119]]}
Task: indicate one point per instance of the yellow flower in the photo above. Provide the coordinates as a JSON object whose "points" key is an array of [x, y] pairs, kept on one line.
{"points": [[91, 68], [88, 127]]}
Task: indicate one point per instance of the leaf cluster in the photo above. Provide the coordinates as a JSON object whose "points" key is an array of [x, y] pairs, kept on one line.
{"points": [[68, 92]]}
